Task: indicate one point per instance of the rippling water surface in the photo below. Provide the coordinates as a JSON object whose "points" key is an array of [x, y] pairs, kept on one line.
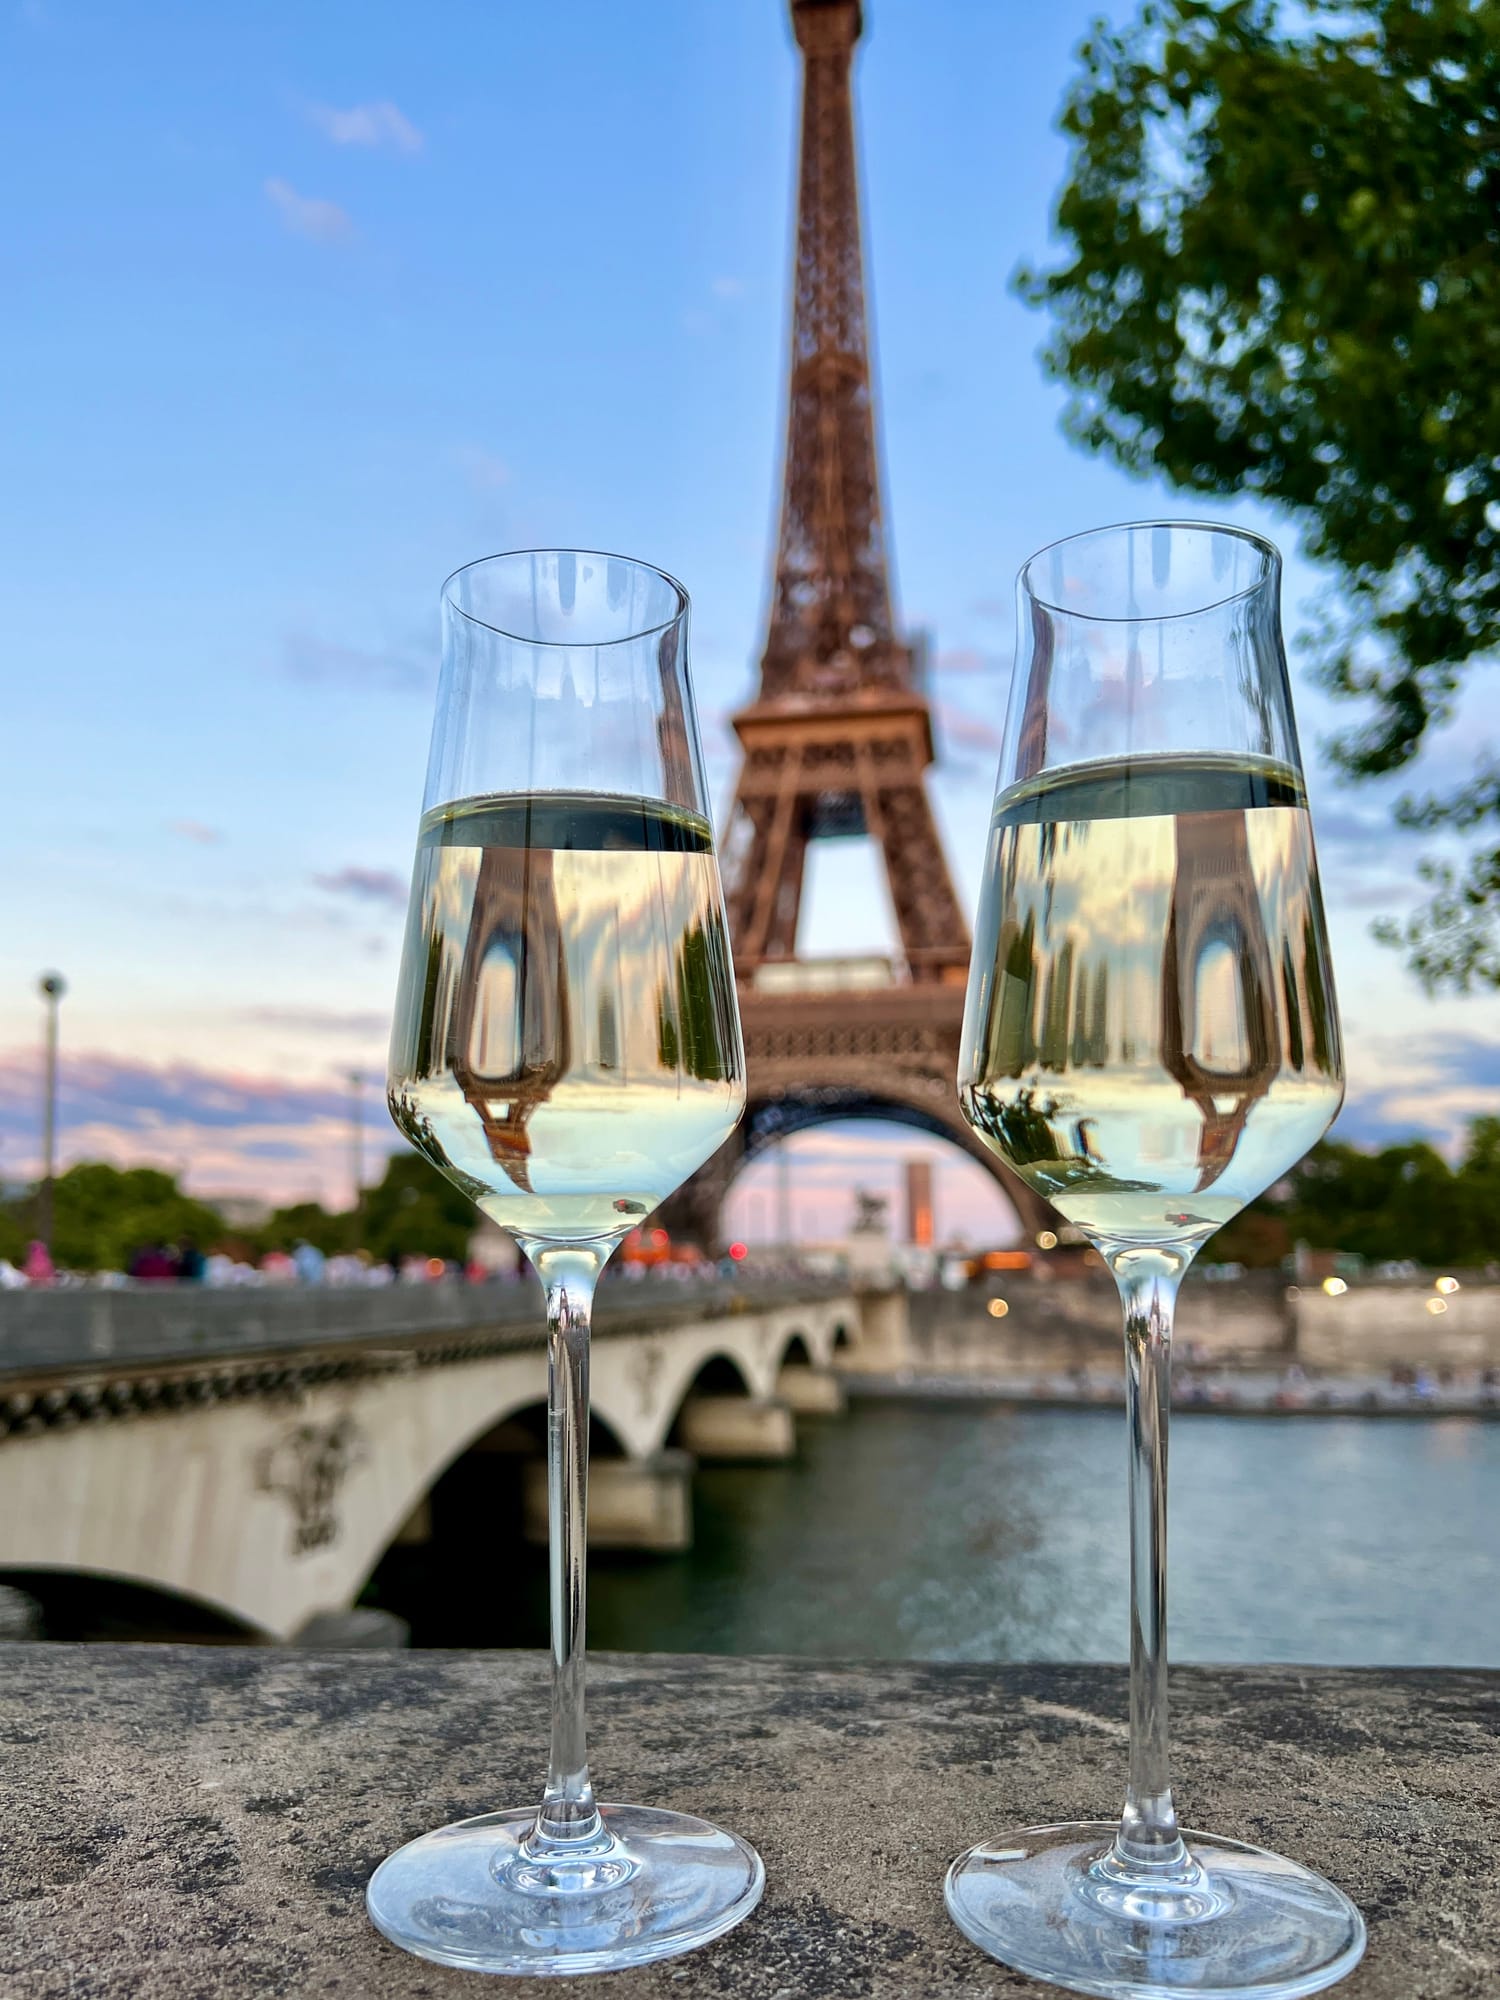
{"points": [[968, 1532]]}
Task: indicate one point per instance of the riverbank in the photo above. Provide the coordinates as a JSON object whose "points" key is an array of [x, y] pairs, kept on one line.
{"points": [[1247, 1394]]}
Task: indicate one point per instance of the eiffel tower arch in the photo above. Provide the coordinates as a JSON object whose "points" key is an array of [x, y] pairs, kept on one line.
{"points": [[838, 739]]}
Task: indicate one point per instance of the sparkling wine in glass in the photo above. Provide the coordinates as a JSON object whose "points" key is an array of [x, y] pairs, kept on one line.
{"points": [[566, 1048], [1151, 1039]]}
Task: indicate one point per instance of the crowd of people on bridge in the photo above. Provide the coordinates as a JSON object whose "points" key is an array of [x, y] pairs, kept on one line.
{"points": [[186, 1264]]}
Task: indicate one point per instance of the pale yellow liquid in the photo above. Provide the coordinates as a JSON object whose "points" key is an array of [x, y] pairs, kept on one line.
{"points": [[566, 1043], [1151, 1036]]}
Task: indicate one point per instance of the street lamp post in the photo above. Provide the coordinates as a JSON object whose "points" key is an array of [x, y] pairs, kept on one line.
{"points": [[52, 986], [357, 1137]]}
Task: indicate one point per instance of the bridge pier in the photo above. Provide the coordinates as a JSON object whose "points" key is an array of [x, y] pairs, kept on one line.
{"points": [[634, 1503], [810, 1392], [884, 1345], [738, 1428]]}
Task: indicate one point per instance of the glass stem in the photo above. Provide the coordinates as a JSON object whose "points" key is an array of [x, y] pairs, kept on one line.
{"points": [[1148, 1838], [568, 1815]]}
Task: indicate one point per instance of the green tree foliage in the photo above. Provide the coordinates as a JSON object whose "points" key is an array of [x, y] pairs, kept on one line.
{"points": [[1402, 1202], [102, 1215], [416, 1212], [1284, 279], [310, 1222]]}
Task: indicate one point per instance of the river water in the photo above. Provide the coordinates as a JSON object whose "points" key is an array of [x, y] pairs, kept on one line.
{"points": [[964, 1531]]}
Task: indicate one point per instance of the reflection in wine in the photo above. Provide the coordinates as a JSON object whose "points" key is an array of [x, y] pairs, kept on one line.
{"points": [[1153, 1035], [564, 1042]]}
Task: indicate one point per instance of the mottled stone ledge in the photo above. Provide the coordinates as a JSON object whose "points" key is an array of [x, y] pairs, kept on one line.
{"points": [[195, 1824]]}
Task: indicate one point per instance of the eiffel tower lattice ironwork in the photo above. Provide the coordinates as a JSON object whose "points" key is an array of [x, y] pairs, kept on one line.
{"points": [[839, 737]]}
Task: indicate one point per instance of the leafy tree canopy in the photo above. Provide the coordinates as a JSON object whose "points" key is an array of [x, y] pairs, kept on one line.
{"points": [[416, 1212], [102, 1215], [1284, 279], [330, 1231], [1402, 1202]]}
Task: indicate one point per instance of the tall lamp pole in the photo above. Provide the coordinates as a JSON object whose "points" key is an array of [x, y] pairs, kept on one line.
{"points": [[52, 986], [357, 1137]]}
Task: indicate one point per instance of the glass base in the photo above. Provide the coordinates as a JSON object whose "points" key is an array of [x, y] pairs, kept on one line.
{"points": [[1234, 1923], [478, 1893]]}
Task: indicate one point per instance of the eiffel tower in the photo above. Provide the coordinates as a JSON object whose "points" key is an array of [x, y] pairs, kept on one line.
{"points": [[839, 737]]}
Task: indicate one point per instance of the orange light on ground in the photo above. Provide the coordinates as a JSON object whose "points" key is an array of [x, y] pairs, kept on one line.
{"points": [[1437, 1305], [1445, 1285], [997, 1308], [435, 1267], [739, 1252], [659, 1239], [1335, 1287], [1046, 1239]]}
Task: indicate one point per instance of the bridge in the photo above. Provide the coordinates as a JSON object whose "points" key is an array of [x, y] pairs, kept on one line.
{"points": [[258, 1453]]}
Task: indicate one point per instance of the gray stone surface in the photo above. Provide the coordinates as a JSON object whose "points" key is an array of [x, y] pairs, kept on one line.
{"points": [[194, 1824]]}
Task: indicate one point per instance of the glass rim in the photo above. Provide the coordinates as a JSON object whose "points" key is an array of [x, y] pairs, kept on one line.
{"points": [[446, 598], [1264, 547]]}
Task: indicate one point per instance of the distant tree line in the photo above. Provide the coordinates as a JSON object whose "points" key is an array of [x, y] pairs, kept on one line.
{"points": [[103, 1215], [1404, 1202]]}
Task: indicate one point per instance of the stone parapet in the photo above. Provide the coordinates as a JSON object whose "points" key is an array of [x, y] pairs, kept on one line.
{"points": [[199, 1824]]}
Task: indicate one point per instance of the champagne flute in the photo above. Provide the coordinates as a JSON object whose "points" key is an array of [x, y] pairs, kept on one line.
{"points": [[1150, 1040], [566, 1048]]}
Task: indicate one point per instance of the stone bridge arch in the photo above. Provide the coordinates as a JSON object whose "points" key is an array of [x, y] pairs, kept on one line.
{"points": [[270, 1510], [898, 1099]]}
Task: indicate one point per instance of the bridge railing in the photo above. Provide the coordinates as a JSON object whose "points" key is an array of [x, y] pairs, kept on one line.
{"points": [[65, 1331]]}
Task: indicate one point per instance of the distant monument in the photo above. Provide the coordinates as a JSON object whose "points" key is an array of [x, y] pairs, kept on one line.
{"points": [[839, 737], [921, 1226]]}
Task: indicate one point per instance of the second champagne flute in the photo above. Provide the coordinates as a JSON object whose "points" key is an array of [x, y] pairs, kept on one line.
{"points": [[566, 1048], [1151, 1040]]}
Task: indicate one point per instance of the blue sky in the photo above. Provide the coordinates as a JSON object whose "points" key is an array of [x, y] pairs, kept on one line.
{"points": [[308, 306]]}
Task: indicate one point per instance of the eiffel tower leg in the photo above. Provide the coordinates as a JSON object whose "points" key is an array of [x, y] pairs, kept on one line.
{"points": [[694, 1214], [934, 930]]}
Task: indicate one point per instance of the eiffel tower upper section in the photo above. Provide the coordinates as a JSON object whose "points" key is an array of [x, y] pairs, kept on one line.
{"points": [[840, 734], [831, 629]]}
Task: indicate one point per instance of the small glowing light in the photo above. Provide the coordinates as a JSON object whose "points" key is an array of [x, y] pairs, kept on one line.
{"points": [[659, 1239], [1335, 1287], [997, 1308], [1437, 1305], [1445, 1285], [435, 1267], [739, 1252], [1046, 1239]]}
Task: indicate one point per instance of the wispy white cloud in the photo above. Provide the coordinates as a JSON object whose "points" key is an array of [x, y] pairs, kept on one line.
{"points": [[728, 288], [220, 1128], [195, 831], [379, 124], [370, 885], [305, 215]]}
